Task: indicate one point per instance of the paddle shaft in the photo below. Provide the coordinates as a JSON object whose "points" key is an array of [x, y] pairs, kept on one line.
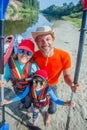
{"points": [[2, 98], [3, 7], [1, 46], [2, 65], [78, 62]]}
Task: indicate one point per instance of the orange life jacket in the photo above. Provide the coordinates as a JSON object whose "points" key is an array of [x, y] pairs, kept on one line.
{"points": [[42, 100], [19, 80]]}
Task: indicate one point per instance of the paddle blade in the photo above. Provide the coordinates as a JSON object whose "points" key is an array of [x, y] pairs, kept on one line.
{"points": [[84, 2], [4, 127], [3, 7]]}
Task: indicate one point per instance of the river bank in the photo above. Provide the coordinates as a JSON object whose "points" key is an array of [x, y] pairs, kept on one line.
{"points": [[67, 38]]}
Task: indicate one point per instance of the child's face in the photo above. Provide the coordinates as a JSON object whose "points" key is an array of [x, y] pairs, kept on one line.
{"points": [[24, 56], [39, 83]]}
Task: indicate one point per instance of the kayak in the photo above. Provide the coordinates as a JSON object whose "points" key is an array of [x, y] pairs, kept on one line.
{"points": [[8, 47]]}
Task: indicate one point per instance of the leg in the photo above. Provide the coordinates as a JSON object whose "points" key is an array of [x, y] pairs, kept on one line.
{"points": [[18, 92], [52, 107], [43, 112], [35, 116], [27, 101]]}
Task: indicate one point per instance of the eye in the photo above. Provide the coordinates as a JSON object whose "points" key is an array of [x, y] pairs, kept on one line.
{"points": [[29, 53], [48, 39]]}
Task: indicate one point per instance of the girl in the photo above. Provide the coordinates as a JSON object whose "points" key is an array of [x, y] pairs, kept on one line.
{"points": [[20, 68], [41, 95]]}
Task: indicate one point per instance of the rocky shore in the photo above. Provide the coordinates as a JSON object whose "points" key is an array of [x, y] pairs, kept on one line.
{"points": [[67, 38]]}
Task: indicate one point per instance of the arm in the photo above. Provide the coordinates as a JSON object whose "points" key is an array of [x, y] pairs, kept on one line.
{"points": [[6, 76], [58, 101], [68, 80], [17, 98], [21, 96], [54, 98], [34, 68], [2, 83], [7, 73]]}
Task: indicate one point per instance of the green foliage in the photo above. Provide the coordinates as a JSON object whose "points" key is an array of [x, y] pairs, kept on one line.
{"points": [[30, 4], [65, 10], [76, 21], [27, 7], [18, 26], [76, 15], [28, 11], [78, 7], [12, 9]]}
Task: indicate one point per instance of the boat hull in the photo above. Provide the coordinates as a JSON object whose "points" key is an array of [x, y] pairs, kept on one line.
{"points": [[8, 47]]}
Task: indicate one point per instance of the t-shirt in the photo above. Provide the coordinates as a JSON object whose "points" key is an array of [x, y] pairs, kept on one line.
{"points": [[54, 65]]}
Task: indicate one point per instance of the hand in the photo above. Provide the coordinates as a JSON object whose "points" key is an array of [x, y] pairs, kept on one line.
{"points": [[2, 83], [75, 88], [5, 102], [69, 103]]}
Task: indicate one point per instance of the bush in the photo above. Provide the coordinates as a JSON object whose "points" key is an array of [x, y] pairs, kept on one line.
{"points": [[76, 15]]}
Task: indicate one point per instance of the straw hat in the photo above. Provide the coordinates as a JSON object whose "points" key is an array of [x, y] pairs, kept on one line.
{"points": [[27, 44], [43, 30]]}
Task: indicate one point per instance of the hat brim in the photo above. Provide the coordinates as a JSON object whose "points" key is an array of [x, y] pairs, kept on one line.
{"points": [[36, 34], [36, 75], [25, 48]]}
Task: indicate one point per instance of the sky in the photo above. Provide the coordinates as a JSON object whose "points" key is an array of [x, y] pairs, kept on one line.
{"points": [[46, 3]]}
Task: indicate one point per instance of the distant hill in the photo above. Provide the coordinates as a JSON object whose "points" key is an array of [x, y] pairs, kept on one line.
{"points": [[66, 9], [21, 6]]}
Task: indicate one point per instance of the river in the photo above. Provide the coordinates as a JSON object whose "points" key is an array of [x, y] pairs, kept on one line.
{"points": [[25, 26]]}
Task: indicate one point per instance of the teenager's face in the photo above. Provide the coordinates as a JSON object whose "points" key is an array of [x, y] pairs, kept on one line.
{"points": [[45, 43], [24, 56], [39, 83]]}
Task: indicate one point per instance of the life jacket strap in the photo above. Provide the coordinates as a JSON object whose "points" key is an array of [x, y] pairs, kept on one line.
{"points": [[15, 80]]}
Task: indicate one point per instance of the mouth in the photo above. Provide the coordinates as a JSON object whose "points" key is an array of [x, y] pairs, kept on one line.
{"points": [[24, 58], [45, 47]]}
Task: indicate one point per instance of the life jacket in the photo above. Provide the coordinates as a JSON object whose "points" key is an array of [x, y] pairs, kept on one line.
{"points": [[42, 100], [19, 81]]}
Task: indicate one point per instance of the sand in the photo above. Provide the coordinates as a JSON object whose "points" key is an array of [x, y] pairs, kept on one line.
{"points": [[67, 38]]}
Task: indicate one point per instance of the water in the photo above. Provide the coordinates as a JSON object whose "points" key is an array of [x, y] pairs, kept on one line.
{"points": [[41, 21], [26, 25]]}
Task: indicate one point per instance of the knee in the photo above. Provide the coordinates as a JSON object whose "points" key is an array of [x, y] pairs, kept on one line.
{"points": [[52, 110]]}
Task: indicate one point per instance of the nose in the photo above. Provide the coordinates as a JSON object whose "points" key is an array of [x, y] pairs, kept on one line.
{"points": [[38, 83], [44, 41], [25, 53]]}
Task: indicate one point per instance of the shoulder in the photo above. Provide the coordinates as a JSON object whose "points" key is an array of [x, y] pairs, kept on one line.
{"points": [[38, 52], [34, 65], [6, 67], [50, 90], [61, 52]]}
